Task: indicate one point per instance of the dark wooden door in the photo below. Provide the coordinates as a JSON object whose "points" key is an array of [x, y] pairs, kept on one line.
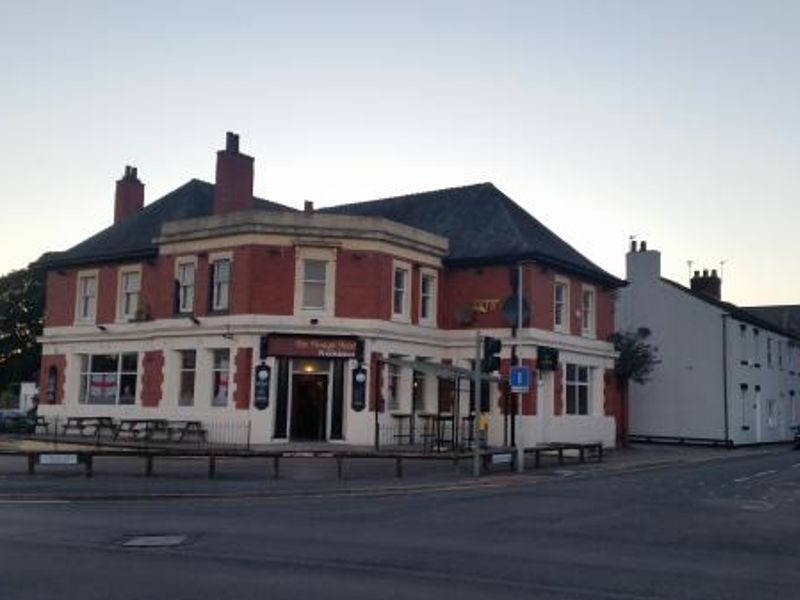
{"points": [[309, 406]]}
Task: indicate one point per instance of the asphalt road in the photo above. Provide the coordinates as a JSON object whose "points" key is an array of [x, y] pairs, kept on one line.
{"points": [[722, 529]]}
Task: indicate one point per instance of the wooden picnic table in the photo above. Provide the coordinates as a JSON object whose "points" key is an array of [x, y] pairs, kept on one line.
{"points": [[88, 426], [178, 430], [141, 428]]}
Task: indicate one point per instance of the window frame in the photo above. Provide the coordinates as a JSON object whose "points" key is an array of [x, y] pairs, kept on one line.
{"points": [[86, 374], [182, 287], [217, 285], [588, 317], [329, 256], [578, 384], [563, 327], [182, 370], [91, 317], [432, 297], [405, 309], [217, 371], [124, 312], [306, 281]]}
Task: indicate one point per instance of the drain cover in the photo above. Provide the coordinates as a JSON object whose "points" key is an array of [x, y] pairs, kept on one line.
{"points": [[154, 541]]}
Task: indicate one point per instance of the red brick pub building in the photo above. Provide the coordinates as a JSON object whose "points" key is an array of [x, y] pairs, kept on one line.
{"points": [[171, 311]]}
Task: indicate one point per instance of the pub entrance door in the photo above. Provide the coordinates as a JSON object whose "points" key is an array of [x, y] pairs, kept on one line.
{"points": [[310, 401]]}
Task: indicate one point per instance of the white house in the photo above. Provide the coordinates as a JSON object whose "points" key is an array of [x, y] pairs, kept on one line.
{"points": [[726, 375]]}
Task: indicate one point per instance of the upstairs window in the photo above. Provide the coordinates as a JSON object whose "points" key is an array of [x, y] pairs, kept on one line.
{"points": [[221, 284], [560, 306], [587, 311], [87, 298], [185, 282], [314, 284], [129, 288], [400, 292], [427, 300]]}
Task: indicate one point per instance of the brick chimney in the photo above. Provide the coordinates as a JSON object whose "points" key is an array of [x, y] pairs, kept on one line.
{"points": [[234, 185], [129, 196], [708, 284]]}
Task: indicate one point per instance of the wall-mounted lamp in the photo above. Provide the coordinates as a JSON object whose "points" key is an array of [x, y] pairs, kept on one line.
{"points": [[102, 328], [314, 321], [194, 319]]}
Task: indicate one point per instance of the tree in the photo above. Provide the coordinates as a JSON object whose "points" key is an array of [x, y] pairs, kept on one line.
{"points": [[21, 316], [636, 361]]}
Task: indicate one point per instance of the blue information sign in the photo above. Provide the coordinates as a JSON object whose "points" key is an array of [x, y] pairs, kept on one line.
{"points": [[520, 379]]}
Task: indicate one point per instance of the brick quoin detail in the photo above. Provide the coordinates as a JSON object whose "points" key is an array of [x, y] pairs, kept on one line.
{"points": [[244, 372], [59, 361], [152, 377], [376, 383]]}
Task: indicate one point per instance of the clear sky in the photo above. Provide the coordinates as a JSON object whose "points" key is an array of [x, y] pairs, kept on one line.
{"points": [[673, 120]]}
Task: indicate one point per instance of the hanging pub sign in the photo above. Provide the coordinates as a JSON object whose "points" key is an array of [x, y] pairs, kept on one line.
{"points": [[359, 389], [546, 358], [261, 395], [308, 346]]}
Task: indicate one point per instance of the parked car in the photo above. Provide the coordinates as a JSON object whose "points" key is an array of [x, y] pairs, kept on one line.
{"points": [[16, 422]]}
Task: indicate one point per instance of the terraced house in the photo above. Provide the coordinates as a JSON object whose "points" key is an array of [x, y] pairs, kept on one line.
{"points": [[174, 310]]}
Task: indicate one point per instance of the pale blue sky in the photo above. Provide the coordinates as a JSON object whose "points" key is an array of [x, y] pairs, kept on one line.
{"points": [[674, 120]]}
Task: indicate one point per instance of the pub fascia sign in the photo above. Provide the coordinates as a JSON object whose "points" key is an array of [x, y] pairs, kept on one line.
{"points": [[312, 347]]}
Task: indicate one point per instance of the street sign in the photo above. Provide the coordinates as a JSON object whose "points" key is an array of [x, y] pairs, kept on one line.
{"points": [[520, 380]]}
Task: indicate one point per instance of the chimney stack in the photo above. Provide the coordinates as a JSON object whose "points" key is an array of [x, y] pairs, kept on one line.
{"points": [[129, 195], [708, 284], [641, 263], [308, 206], [233, 190]]}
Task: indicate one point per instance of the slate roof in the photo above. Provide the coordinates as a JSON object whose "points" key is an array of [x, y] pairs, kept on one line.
{"points": [[785, 316], [484, 226], [133, 237], [746, 315]]}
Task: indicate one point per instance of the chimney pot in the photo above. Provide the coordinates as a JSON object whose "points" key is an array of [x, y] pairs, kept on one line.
{"points": [[308, 206], [705, 273], [643, 246], [231, 142], [713, 272], [633, 245]]}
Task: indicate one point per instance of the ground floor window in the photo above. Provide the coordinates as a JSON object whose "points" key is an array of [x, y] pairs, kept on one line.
{"points": [[188, 369], [108, 378], [220, 374], [418, 396], [577, 386]]}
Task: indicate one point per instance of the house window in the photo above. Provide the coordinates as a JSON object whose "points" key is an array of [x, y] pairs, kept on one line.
{"points": [[587, 312], [577, 385], [221, 282], [220, 376], [427, 299], [108, 379], [87, 297], [186, 287], [393, 401], [560, 306], [418, 393], [769, 352], [188, 370], [314, 282], [129, 287], [743, 344], [756, 347], [399, 288]]}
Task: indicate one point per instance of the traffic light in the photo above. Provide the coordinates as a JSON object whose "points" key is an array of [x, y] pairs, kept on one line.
{"points": [[491, 358]]}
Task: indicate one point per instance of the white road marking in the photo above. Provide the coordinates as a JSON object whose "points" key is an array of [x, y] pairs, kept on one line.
{"points": [[761, 474], [796, 465]]}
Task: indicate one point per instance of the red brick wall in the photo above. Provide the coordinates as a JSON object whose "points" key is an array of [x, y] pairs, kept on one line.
{"points": [[59, 361], [60, 299], [415, 285], [244, 373], [605, 313], [543, 295], [363, 285], [272, 280], [157, 298], [201, 283], [575, 307], [464, 286], [376, 383], [152, 377]]}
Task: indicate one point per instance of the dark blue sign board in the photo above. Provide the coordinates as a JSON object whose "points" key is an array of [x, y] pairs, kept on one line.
{"points": [[519, 379]]}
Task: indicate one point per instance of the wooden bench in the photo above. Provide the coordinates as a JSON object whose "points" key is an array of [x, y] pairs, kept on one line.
{"points": [[585, 450], [141, 429], [87, 426]]}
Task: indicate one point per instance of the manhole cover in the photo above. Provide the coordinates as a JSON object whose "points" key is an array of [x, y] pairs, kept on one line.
{"points": [[154, 541]]}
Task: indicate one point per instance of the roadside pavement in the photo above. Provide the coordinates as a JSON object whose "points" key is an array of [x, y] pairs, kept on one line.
{"points": [[181, 478]]}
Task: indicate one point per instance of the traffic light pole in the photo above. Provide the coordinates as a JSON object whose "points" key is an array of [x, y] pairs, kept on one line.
{"points": [[476, 376]]}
